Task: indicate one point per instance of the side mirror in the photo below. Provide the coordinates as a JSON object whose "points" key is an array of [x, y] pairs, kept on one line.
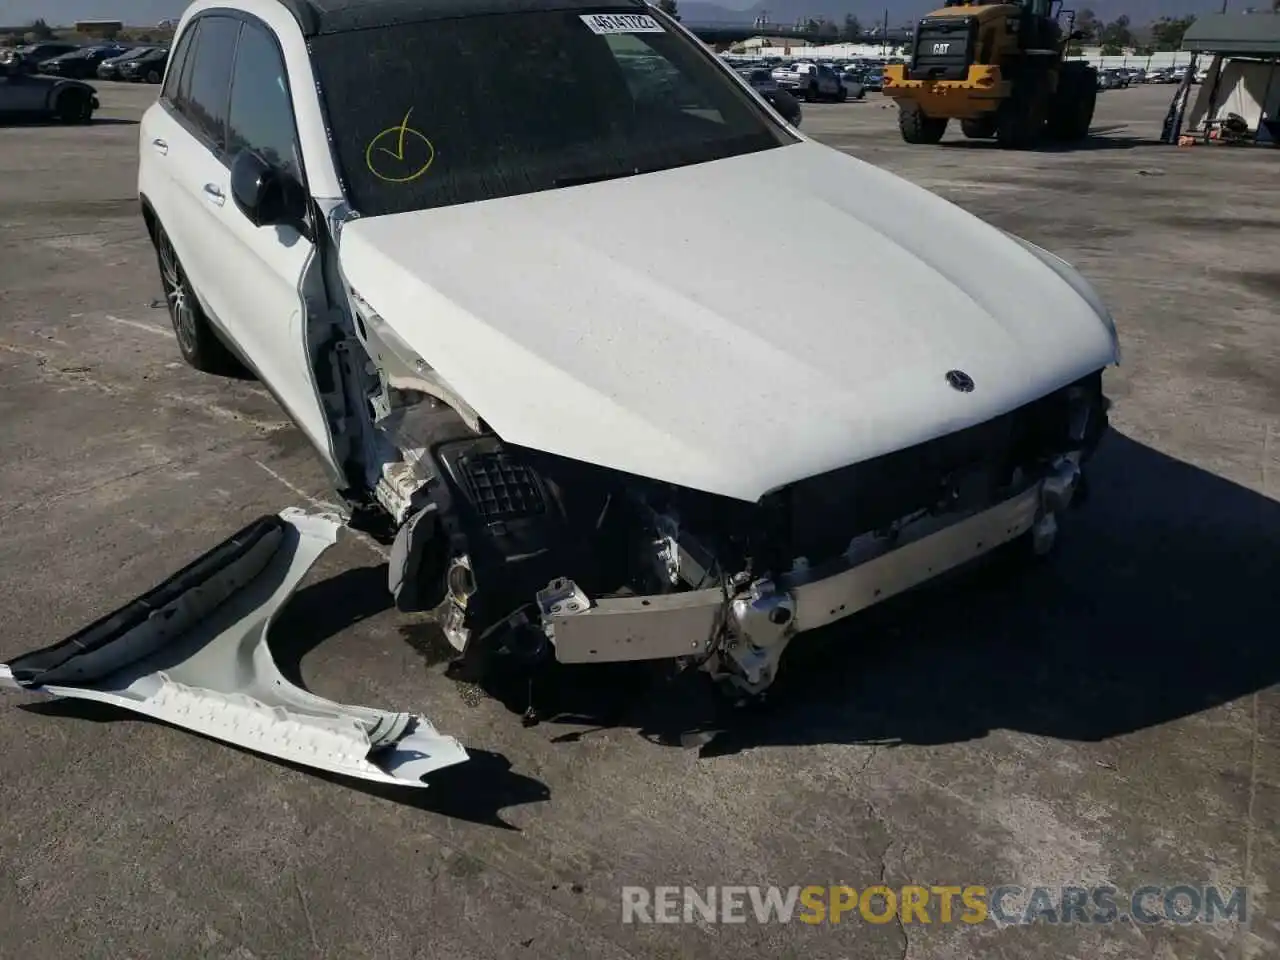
{"points": [[265, 195]]}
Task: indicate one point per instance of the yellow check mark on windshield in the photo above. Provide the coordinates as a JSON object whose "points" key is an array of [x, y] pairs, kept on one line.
{"points": [[410, 160], [398, 153]]}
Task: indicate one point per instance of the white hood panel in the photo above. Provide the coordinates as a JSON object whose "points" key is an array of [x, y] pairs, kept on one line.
{"points": [[731, 326]]}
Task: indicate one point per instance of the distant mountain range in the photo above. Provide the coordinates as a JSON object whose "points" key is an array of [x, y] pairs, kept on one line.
{"points": [[868, 12]]}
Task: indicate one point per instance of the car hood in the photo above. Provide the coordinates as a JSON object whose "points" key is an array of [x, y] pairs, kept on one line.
{"points": [[707, 326]]}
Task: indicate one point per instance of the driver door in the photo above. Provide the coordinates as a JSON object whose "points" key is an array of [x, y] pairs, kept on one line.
{"points": [[21, 93], [234, 96]]}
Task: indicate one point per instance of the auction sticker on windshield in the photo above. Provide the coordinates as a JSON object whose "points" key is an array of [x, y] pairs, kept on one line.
{"points": [[621, 23]]}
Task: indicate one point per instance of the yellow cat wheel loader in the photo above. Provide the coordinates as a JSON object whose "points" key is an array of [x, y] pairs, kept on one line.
{"points": [[999, 69]]}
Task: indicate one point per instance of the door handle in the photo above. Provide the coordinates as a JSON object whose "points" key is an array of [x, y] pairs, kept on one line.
{"points": [[213, 193], [160, 146]]}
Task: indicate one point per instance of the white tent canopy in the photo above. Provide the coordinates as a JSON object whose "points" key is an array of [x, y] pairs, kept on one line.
{"points": [[1249, 88]]}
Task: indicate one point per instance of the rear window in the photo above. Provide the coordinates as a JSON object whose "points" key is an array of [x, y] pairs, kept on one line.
{"points": [[472, 108]]}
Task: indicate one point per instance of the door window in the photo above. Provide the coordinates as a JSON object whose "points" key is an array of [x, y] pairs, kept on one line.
{"points": [[180, 52], [261, 114], [207, 80]]}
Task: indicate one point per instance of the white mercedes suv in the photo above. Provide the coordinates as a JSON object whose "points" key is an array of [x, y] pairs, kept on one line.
{"points": [[498, 259]]}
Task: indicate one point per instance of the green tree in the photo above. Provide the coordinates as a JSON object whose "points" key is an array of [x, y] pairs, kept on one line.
{"points": [[1088, 24], [670, 8], [828, 29], [1111, 50], [1117, 33], [1167, 32], [853, 29], [40, 30]]}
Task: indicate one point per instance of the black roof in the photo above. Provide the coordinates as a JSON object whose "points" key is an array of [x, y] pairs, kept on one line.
{"points": [[1257, 33], [339, 16]]}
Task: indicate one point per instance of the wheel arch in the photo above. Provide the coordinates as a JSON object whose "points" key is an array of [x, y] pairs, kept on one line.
{"points": [[65, 86], [148, 216]]}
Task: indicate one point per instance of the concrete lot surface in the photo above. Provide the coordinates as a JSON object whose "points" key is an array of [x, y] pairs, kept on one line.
{"points": [[1109, 717]]}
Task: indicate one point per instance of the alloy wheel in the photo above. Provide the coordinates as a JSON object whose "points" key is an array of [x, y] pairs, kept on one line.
{"points": [[181, 310]]}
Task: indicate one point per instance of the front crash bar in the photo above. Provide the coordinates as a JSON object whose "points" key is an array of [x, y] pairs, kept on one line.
{"points": [[685, 624], [193, 653]]}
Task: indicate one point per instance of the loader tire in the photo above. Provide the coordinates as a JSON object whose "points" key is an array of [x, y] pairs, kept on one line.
{"points": [[1020, 120], [918, 127], [979, 128], [1071, 112]]}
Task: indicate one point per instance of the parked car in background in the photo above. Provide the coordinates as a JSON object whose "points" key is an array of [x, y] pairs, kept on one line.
{"points": [[760, 79], [26, 95], [146, 69], [810, 81], [37, 53], [787, 105], [873, 79], [81, 64], [853, 84], [109, 69], [1112, 79]]}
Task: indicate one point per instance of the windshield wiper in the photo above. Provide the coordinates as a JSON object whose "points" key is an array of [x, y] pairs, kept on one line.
{"points": [[594, 178]]}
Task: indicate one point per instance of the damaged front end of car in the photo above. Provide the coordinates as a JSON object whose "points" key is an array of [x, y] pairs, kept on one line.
{"points": [[535, 556]]}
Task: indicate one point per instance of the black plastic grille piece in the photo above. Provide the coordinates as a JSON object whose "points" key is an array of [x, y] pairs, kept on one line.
{"points": [[500, 487], [823, 513]]}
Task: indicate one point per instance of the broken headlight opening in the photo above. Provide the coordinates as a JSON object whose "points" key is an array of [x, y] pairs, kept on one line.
{"points": [[536, 557]]}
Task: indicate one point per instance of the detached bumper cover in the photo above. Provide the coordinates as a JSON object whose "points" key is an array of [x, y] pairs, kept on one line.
{"points": [[193, 653]]}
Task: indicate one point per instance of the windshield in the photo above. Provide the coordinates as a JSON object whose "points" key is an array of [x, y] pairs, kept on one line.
{"points": [[458, 110]]}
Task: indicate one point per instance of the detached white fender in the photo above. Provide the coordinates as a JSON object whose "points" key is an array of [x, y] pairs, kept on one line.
{"points": [[193, 653]]}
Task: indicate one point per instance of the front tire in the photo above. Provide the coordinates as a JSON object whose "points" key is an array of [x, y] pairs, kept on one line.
{"points": [[979, 128], [74, 106], [153, 76], [918, 127], [1021, 117], [197, 342], [1072, 111], [811, 94]]}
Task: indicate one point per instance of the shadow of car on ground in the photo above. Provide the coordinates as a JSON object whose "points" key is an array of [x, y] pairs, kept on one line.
{"points": [[1161, 601]]}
